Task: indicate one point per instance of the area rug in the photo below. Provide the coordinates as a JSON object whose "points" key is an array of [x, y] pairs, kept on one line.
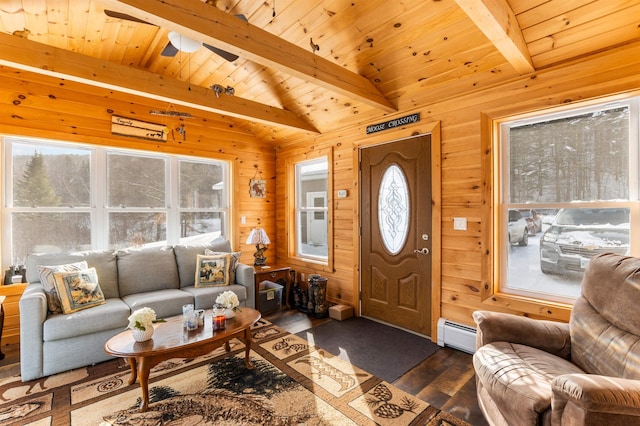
{"points": [[293, 383], [384, 351]]}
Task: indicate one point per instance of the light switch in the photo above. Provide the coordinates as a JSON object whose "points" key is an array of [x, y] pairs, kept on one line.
{"points": [[460, 223], [243, 220]]}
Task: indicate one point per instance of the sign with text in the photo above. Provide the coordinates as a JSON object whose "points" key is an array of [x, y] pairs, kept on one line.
{"points": [[138, 129], [396, 122]]}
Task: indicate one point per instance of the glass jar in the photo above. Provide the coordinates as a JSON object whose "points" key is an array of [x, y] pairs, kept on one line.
{"points": [[219, 319]]}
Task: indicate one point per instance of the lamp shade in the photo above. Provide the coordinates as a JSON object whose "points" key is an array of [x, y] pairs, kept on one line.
{"points": [[258, 236], [183, 43]]}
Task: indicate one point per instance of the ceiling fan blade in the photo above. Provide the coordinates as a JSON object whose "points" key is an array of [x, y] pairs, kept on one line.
{"points": [[169, 50], [223, 53], [124, 16], [226, 55]]}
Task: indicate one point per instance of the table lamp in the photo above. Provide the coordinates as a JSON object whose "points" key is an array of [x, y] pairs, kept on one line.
{"points": [[259, 237]]}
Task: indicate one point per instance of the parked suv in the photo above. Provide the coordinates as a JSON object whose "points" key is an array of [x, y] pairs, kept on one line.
{"points": [[576, 235], [518, 232]]}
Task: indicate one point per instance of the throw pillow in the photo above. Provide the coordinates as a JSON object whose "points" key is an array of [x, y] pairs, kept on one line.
{"points": [[49, 282], [78, 290], [212, 270], [235, 259]]}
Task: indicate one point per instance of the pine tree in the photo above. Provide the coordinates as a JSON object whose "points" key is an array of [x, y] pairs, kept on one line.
{"points": [[35, 189]]}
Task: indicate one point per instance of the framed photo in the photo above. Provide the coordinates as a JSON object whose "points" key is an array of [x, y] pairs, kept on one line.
{"points": [[212, 271], [258, 188]]}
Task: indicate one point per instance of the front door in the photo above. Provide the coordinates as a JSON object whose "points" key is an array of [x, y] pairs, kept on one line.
{"points": [[395, 214]]}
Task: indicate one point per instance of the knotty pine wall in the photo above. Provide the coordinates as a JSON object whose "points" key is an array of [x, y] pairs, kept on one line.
{"points": [[32, 105], [43, 107], [464, 287]]}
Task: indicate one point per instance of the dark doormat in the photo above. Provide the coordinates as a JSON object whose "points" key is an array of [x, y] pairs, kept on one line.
{"points": [[384, 351]]}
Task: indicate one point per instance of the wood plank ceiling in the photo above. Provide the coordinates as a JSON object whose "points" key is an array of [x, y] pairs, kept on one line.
{"points": [[374, 57]]}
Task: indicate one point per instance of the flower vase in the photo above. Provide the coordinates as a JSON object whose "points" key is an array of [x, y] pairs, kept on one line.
{"points": [[229, 313], [142, 335]]}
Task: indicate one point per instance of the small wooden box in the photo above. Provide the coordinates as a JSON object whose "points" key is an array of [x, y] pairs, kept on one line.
{"points": [[341, 312]]}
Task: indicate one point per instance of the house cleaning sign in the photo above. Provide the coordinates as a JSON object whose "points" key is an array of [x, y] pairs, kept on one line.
{"points": [[392, 124]]}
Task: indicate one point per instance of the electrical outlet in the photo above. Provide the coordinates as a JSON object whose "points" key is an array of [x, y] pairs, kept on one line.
{"points": [[243, 220]]}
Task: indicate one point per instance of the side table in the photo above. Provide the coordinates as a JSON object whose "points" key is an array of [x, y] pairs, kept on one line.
{"points": [[277, 274], [1, 323]]}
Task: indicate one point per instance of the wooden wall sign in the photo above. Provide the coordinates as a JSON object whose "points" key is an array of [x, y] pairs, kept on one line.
{"points": [[129, 127], [396, 122]]}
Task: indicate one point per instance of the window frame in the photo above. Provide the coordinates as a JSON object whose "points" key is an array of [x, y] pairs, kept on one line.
{"points": [[293, 257], [302, 208], [494, 217], [98, 209]]}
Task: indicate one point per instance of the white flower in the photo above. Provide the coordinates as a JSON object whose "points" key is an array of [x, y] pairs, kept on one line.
{"points": [[142, 318], [228, 299]]}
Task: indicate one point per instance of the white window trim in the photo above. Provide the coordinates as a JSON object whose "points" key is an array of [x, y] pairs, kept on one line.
{"points": [[98, 206]]}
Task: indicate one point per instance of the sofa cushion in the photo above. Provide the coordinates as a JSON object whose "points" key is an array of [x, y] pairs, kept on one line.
{"points": [[48, 281], [234, 260], [112, 314], [146, 270], [604, 319], [166, 303], [205, 297], [103, 260], [78, 290], [212, 271], [186, 258], [518, 378]]}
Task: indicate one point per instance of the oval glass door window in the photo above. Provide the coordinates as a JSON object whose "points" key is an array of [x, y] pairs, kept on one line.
{"points": [[393, 209]]}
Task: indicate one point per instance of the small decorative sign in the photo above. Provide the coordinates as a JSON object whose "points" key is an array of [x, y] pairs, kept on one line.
{"points": [[396, 122], [138, 129], [258, 188]]}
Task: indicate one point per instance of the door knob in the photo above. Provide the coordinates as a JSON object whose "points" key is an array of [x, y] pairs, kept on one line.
{"points": [[422, 251]]}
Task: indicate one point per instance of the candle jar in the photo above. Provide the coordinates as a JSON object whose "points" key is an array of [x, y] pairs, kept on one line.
{"points": [[219, 320]]}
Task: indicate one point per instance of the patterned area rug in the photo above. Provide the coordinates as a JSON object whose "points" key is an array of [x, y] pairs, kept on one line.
{"points": [[292, 383]]}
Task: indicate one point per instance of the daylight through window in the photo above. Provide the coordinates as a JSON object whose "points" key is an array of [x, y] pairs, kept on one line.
{"points": [[312, 225], [71, 197], [568, 183]]}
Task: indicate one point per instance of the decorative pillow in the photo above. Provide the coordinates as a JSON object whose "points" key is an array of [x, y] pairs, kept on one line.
{"points": [[78, 290], [212, 270], [235, 258], [49, 282]]}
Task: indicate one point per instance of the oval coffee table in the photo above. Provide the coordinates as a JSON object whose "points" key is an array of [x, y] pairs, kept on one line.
{"points": [[170, 340]]}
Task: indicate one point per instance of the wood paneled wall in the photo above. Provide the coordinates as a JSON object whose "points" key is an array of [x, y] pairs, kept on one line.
{"points": [[32, 105], [42, 107], [612, 72]]}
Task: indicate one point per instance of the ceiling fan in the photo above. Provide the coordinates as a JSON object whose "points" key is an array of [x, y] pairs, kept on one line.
{"points": [[178, 42]]}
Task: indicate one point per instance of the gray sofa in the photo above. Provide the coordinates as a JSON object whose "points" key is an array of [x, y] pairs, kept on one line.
{"points": [[161, 278]]}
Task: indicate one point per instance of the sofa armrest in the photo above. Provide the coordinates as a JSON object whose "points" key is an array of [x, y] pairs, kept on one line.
{"points": [[593, 398], [245, 277], [33, 313], [549, 336]]}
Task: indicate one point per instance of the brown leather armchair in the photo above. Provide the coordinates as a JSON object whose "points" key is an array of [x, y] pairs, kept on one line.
{"points": [[587, 372]]}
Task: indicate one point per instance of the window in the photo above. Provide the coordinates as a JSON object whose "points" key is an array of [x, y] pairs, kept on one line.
{"points": [[568, 191], [311, 198], [66, 197]]}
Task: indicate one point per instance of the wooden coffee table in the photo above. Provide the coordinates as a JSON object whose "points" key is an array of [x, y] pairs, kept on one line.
{"points": [[171, 341]]}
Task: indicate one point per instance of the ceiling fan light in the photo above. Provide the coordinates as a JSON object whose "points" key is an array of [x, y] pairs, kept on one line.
{"points": [[183, 43]]}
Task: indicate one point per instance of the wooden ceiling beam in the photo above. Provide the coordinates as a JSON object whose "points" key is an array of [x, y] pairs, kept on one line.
{"points": [[40, 58], [498, 22], [208, 24]]}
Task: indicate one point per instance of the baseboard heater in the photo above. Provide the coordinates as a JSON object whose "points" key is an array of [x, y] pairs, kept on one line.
{"points": [[457, 336]]}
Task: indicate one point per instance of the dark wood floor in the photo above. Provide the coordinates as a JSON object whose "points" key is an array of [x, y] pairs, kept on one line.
{"points": [[444, 380]]}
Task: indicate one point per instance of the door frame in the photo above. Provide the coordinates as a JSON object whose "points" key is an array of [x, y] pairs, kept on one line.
{"points": [[432, 128]]}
